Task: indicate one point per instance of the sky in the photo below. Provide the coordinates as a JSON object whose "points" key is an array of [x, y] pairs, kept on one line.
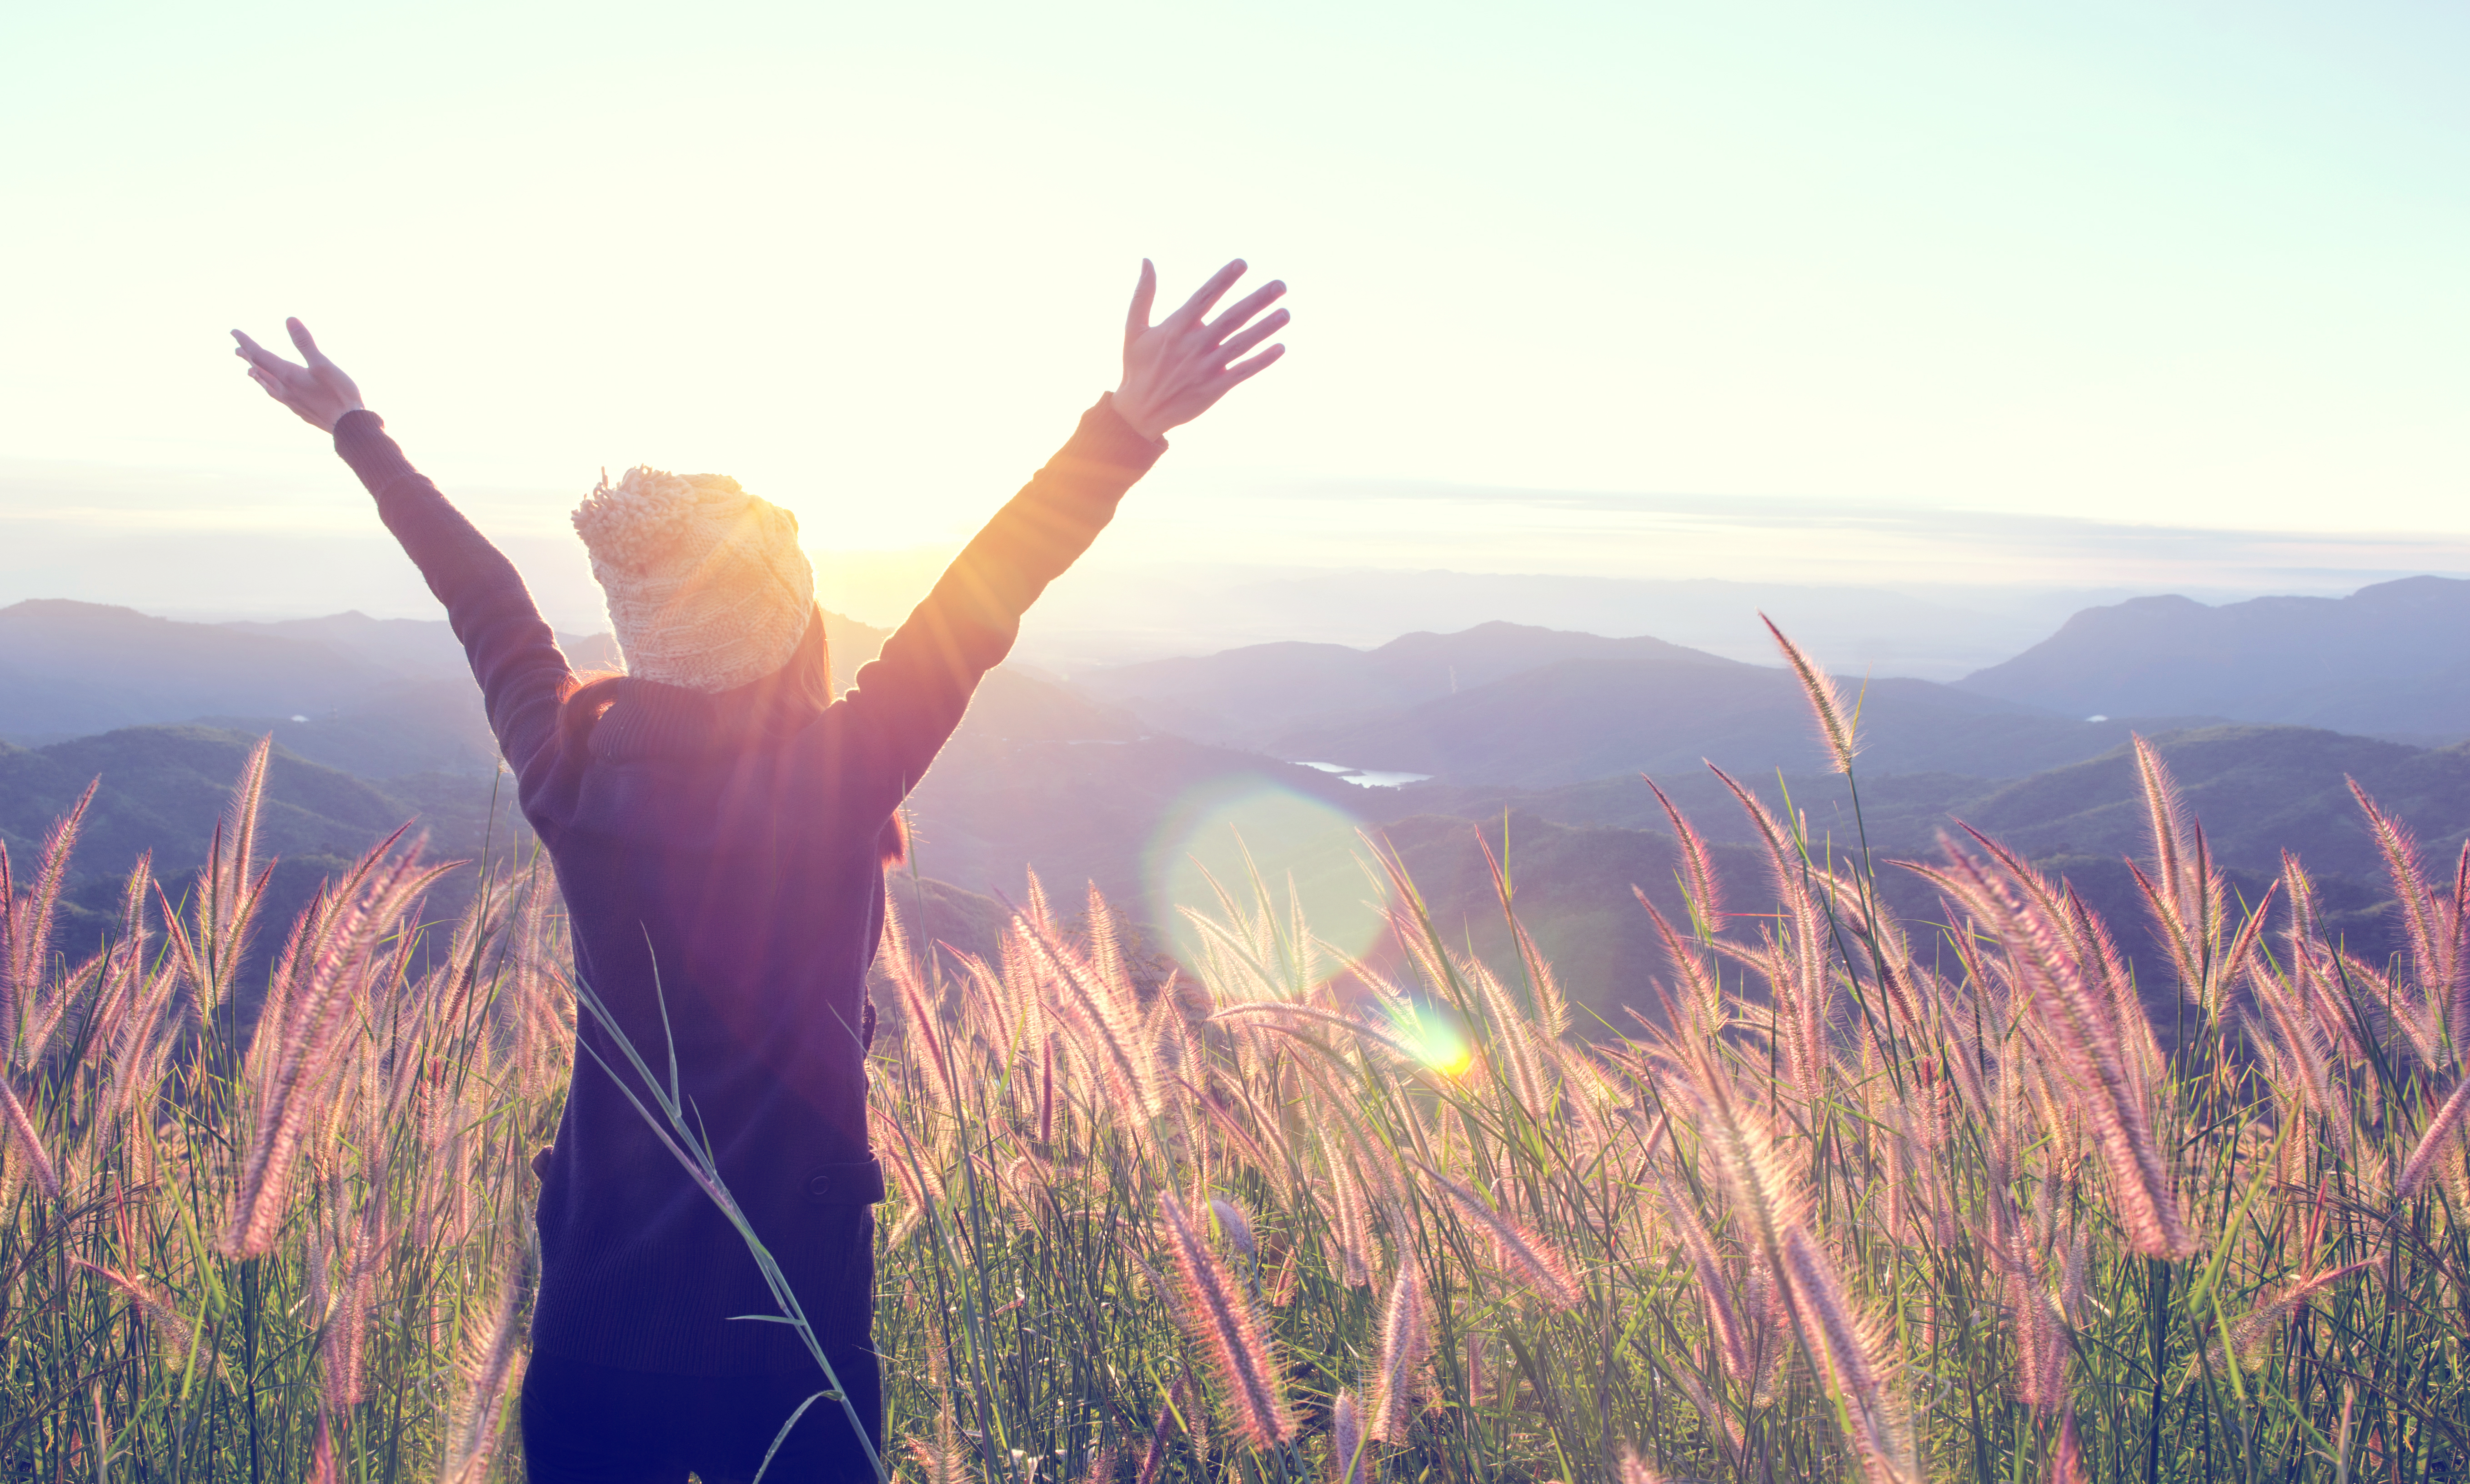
{"points": [[2179, 265]]}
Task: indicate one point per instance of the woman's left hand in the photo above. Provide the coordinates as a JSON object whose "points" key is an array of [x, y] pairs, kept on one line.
{"points": [[1177, 368], [318, 391]]}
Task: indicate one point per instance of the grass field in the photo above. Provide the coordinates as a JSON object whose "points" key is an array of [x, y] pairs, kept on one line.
{"points": [[1869, 1203]]}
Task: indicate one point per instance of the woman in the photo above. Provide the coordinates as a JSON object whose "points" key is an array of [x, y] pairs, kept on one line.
{"points": [[720, 826]]}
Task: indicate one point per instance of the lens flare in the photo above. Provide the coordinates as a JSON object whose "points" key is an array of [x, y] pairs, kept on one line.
{"points": [[1436, 1037], [1305, 851]]}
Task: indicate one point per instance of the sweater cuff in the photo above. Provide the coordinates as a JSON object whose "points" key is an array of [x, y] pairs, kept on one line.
{"points": [[1107, 437], [360, 437]]}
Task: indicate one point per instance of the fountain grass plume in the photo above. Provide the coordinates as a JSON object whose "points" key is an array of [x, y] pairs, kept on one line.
{"points": [[1850, 1350], [2168, 825], [1098, 1023], [493, 1369], [1740, 1142], [1405, 1341], [1276, 1009], [1350, 1215], [1548, 1015], [1235, 1226], [350, 918], [1702, 993], [323, 1466], [2458, 920], [2083, 1028], [1215, 1310], [2067, 1455], [28, 1014], [346, 1340], [2433, 925], [1348, 1441], [919, 1018], [1522, 1253], [1724, 1317], [162, 1316], [28, 1141], [2445, 1135], [2297, 1033], [1154, 1458], [2246, 1340], [1634, 1470], [1838, 725], [228, 890], [1781, 845], [1516, 1057], [1699, 882]]}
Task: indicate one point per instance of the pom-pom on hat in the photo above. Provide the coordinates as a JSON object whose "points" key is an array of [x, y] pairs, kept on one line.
{"points": [[706, 587]]}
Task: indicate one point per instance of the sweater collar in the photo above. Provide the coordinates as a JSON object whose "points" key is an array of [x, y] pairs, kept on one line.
{"points": [[649, 719]]}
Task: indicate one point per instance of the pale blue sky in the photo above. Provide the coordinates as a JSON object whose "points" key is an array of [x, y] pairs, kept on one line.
{"points": [[2197, 264]]}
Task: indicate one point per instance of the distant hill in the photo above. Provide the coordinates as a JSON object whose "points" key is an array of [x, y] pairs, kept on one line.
{"points": [[374, 697], [1078, 811], [2386, 660], [162, 790], [1505, 703], [78, 668], [2258, 790], [1254, 696], [1572, 720]]}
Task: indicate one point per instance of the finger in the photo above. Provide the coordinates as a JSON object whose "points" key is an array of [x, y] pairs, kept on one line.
{"points": [[1243, 371], [1207, 294], [1251, 338], [308, 347], [1144, 295], [1252, 303], [259, 356]]}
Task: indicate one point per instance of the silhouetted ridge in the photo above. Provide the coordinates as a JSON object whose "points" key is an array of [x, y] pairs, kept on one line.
{"points": [[2386, 660]]}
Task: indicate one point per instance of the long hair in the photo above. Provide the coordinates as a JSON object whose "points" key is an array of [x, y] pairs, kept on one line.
{"points": [[789, 697], [586, 694]]}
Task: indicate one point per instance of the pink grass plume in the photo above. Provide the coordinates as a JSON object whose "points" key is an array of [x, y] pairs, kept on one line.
{"points": [[1406, 1339], [2067, 1457], [1697, 862], [1347, 1444], [2445, 1133], [1837, 724], [1634, 1470], [1153, 1459], [1217, 1312], [19, 1126], [1522, 1253]]}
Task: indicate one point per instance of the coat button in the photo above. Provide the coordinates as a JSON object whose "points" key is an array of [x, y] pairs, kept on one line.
{"points": [[818, 1185]]}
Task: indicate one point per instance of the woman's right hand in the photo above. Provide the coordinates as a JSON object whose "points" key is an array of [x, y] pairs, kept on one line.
{"points": [[1177, 368], [319, 392]]}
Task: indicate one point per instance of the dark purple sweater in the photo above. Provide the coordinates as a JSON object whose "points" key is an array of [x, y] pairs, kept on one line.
{"points": [[728, 845]]}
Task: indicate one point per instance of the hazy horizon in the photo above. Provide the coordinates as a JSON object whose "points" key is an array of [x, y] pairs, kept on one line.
{"points": [[1195, 564]]}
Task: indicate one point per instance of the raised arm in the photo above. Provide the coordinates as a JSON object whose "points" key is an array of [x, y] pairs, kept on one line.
{"points": [[907, 702], [514, 655]]}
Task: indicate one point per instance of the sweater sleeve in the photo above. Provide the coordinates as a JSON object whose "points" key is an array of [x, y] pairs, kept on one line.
{"points": [[514, 652], [907, 700]]}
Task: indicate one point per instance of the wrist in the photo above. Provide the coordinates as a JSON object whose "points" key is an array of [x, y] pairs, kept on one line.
{"points": [[1136, 416]]}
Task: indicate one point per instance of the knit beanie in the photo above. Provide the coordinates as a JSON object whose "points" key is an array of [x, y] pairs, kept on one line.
{"points": [[706, 587]]}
